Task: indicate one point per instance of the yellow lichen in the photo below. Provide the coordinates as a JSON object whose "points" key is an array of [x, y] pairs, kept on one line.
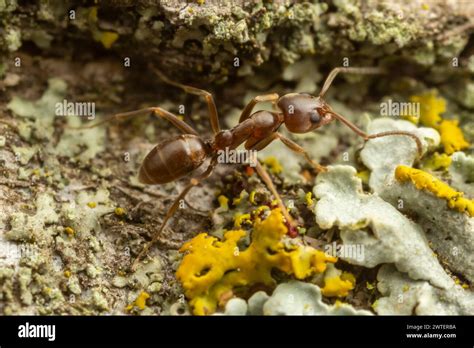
{"points": [[92, 205], [238, 200], [140, 302], [364, 175], [119, 211], [452, 137], [252, 197], [240, 219], [437, 161], [70, 231], [273, 164], [338, 286], [427, 182], [223, 202], [213, 268], [107, 38], [260, 209], [309, 199], [67, 273], [431, 108]]}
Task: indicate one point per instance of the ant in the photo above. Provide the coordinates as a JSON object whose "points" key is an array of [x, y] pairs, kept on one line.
{"points": [[181, 155]]}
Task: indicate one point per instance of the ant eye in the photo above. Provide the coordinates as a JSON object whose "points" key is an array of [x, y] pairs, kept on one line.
{"points": [[314, 116]]}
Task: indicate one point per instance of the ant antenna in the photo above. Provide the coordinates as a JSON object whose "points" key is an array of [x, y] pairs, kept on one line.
{"points": [[362, 71], [366, 136]]}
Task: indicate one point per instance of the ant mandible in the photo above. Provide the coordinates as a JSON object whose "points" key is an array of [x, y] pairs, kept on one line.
{"points": [[181, 155]]}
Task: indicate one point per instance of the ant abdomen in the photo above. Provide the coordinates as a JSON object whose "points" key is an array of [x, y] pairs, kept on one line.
{"points": [[173, 159]]}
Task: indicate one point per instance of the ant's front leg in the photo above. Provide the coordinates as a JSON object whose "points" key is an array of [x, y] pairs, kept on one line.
{"points": [[298, 149], [269, 183], [292, 146]]}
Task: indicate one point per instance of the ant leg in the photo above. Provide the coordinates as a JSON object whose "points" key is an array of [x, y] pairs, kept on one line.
{"points": [[366, 136], [292, 146], [269, 183], [335, 71], [258, 99], [213, 115], [155, 111], [298, 149], [172, 210]]}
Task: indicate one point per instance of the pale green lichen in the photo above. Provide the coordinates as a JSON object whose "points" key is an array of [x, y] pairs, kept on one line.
{"points": [[449, 231], [462, 172], [12, 39], [28, 228], [42, 111], [386, 235], [404, 296], [292, 298]]}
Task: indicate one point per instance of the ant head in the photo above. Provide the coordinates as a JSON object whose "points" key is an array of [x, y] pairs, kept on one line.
{"points": [[304, 112]]}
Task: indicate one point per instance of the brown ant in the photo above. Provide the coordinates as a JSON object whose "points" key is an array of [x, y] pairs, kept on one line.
{"points": [[181, 155]]}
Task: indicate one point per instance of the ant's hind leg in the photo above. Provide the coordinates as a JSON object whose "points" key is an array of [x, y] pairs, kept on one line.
{"points": [[155, 111], [362, 71], [172, 210], [213, 115]]}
